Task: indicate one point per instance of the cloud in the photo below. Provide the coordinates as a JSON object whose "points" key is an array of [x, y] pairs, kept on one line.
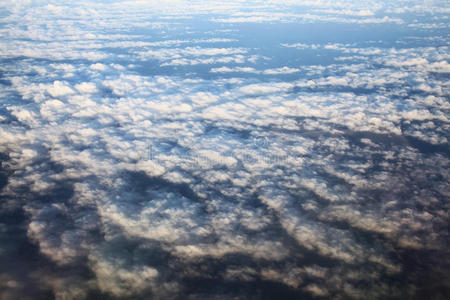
{"points": [[98, 67], [153, 156], [59, 89], [283, 70], [260, 89], [86, 87], [234, 70], [193, 55], [277, 71]]}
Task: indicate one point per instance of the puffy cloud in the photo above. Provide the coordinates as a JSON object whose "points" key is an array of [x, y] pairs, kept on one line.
{"points": [[98, 67], [59, 89], [283, 70], [261, 89], [86, 87], [234, 70], [135, 165]]}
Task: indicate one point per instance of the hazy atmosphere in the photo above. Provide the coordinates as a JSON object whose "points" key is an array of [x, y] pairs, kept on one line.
{"points": [[273, 149]]}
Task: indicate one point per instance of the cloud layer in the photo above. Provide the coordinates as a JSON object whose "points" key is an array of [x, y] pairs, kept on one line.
{"points": [[205, 150]]}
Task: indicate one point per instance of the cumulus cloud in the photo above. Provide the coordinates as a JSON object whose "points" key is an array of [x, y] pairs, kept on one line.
{"points": [[277, 71], [86, 87], [156, 156]]}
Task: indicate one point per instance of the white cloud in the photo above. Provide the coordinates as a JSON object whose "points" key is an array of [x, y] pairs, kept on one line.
{"points": [[261, 89], [282, 70], [86, 87], [59, 89], [280, 176], [98, 67], [234, 70]]}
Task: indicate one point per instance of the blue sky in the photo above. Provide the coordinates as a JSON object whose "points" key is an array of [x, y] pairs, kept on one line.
{"points": [[224, 150]]}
